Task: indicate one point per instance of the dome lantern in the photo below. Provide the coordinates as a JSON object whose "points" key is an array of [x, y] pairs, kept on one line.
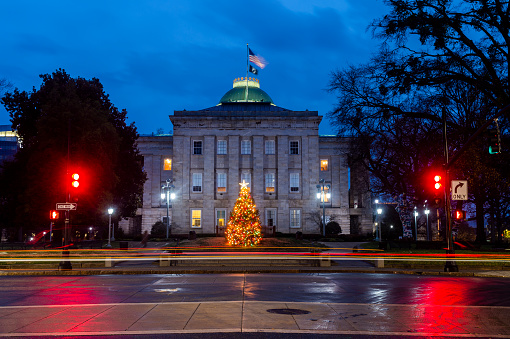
{"points": [[246, 89]]}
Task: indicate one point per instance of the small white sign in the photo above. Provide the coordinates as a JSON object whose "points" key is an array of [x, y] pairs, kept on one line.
{"points": [[71, 206], [459, 190]]}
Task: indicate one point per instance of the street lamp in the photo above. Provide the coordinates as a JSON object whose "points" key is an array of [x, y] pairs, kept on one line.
{"points": [[415, 224], [427, 211], [166, 194], [378, 229], [322, 195], [110, 211]]}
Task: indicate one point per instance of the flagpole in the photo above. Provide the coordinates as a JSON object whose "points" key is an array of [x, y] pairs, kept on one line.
{"points": [[247, 70]]}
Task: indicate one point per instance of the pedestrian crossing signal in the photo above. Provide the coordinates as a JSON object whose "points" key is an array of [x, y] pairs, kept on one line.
{"points": [[54, 215], [460, 215]]}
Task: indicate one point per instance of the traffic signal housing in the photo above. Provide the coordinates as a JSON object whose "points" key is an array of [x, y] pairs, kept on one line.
{"points": [[494, 141], [75, 180], [438, 183], [459, 215], [54, 215], [437, 188]]}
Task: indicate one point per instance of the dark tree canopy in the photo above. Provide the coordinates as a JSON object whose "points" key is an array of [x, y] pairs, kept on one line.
{"points": [[436, 56], [102, 149]]}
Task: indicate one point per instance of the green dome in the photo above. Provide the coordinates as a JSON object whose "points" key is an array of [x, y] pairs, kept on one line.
{"points": [[238, 93]]}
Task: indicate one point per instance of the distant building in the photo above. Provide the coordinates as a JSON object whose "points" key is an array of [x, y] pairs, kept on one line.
{"points": [[9, 143], [247, 137]]}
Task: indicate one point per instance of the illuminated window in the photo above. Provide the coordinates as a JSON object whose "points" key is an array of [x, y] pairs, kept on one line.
{"points": [[294, 182], [221, 183], [197, 147], [167, 164], [325, 194], [270, 147], [196, 218], [222, 147], [270, 182], [294, 147], [245, 147], [295, 218], [197, 182], [324, 165], [221, 217]]}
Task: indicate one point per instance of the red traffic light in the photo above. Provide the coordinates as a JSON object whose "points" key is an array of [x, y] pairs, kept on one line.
{"points": [[437, 180], [460, 215], [54, 214], [75, 183]]}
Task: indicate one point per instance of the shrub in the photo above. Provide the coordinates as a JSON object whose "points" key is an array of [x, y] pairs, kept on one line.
{"points": [[158, 230], [333, 228]]}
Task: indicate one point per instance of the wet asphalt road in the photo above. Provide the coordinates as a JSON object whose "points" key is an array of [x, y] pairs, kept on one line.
{"points": [[333, 288]]}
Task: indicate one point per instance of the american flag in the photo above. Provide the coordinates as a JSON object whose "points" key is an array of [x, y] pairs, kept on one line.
{"points": [[256, 59]]}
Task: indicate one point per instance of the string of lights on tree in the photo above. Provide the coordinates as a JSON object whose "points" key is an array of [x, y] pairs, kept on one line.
{"points": [[243, 228]]}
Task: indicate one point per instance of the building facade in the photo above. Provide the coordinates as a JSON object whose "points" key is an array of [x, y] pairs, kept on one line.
{"points": [[9, 143], [246, 137]]}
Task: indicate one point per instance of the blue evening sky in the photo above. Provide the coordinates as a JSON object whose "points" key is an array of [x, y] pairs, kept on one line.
{"points": [[157, 56]]}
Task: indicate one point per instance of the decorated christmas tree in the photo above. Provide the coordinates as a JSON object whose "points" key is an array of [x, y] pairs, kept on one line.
{"points": [[243, 228]]}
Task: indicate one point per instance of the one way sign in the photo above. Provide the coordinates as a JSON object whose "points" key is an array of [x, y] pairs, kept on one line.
{"points": [[459, 190]]}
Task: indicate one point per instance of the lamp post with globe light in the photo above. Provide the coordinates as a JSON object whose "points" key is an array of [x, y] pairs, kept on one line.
{"points": [[415, 224], [323, 196], [378, 229], [110, 211], [165, 194], [427, 211]]}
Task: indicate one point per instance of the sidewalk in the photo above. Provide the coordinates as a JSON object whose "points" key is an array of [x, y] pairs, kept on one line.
{"points": [[254, 316]]}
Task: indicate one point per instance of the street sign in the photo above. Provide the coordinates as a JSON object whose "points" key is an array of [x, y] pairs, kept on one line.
{"points": [[459, 190], [66, 206]]}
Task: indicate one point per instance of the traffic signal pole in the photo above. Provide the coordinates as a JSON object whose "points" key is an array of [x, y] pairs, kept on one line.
{"points": [[450, 265], [65, 264]]}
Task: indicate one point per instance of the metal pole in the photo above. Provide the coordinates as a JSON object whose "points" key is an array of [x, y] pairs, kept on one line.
{"points": [[110, 211], [428, 233], [167, 207], [450, 265], [113, 232], [415, 225], [323, 213]]}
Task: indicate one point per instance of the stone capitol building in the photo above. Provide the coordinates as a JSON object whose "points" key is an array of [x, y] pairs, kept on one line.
{"points": [[246, 137]]}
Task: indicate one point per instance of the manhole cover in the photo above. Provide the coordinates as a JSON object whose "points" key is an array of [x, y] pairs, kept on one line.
{"points": [[290, 311]]}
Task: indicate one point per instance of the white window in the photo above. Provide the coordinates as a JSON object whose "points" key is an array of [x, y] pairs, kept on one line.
{"points": [[221, 217], [294, 147], [197, 147], [196, 218], [245, 147], [294, 182], [270, 147], [222, 147], [246, 177], [197, 182], [270, 182], [271, 217], [295, 218], [221, 182]]}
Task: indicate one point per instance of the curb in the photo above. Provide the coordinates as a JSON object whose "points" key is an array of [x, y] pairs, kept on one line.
{"points": [[254, 270]]}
